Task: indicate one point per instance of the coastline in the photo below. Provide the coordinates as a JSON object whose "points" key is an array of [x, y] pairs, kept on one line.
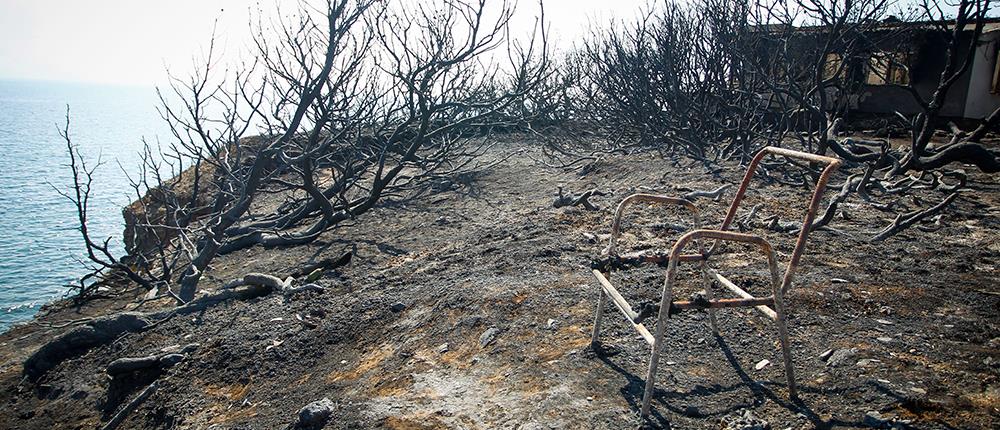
{"points": [[38, 251]]}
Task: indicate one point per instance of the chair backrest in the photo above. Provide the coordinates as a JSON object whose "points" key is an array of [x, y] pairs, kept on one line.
{"points": [[616, 224], [832, 164]]}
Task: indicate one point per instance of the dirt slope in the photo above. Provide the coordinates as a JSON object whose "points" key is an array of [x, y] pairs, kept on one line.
{"points": [[472, 308]]}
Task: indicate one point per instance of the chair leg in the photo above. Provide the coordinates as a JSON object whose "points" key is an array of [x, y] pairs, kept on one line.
{"points": [[661, 326], [779, 310], [710, 296], [654, 360], [595, 337]]}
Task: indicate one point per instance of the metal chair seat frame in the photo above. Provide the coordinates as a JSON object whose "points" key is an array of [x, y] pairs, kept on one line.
{"points": [[772, 305]]}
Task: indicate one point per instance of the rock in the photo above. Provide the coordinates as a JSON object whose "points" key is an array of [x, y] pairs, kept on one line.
{"points": [[841, 356], [918, 390], [884, 339], [550, 324], [745, 420], [885, 322], [263, 279], [601, 350], [397, 307], [315, 415], [873, 419], [864, 362], [443, 348], [488, 336], [761, 364]]}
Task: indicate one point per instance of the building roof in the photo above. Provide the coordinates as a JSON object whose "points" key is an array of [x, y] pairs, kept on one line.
{"points": [[989, 25]]}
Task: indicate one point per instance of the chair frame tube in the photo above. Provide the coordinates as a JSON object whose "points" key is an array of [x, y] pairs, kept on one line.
{"points": [[772, 306]]}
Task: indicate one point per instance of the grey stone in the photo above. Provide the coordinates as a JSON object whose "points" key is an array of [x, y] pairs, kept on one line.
{"points": [[488, 336], [397, 307], [744, 420], [315, 415], [865, 362], [873, 419], [841, 356]]}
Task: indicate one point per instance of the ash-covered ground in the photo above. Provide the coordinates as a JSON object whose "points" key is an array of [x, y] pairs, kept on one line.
{"points": [[472, 308]]}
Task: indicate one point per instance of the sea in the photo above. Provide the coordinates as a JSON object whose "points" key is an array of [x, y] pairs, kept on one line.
{"points": [[41, 250]]}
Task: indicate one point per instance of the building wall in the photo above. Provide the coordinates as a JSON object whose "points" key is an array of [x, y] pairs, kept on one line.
{"points": [[926, 69], [979, 99], [969, 97]]}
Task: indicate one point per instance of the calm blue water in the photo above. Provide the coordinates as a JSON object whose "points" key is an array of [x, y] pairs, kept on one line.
{"points": [[39, 242]]}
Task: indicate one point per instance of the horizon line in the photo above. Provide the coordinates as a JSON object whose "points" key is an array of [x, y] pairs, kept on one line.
{"points": [[76, 82]]}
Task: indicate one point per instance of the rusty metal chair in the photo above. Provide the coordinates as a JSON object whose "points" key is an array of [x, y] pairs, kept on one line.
{"points": [[772, 306]]}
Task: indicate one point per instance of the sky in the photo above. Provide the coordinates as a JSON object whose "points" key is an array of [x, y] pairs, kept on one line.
{"points": [[133, 42]]}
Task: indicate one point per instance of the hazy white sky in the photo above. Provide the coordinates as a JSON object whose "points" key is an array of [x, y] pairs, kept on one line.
{"points": [[132, 41]]}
